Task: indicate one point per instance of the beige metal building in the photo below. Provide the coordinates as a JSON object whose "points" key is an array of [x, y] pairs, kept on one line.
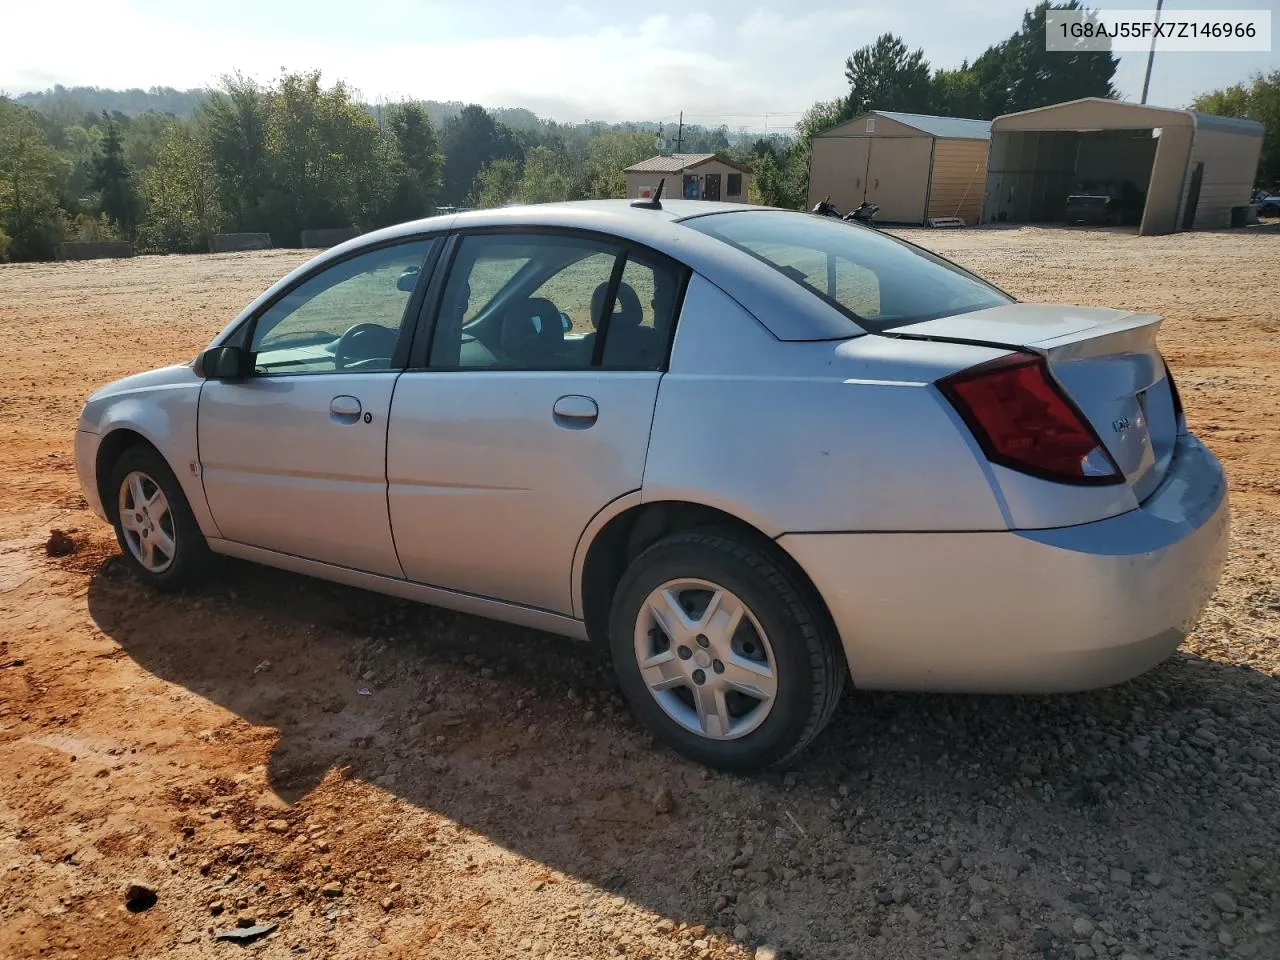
{"points": [[1193, 168], [915, 167], [693, 176]]}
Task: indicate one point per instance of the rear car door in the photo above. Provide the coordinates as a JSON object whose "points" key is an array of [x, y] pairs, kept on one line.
{"points": [[293, 457], [531, 410]]}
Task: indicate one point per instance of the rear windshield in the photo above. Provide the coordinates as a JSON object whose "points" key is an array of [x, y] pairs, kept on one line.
{"points": [[878, 280]]}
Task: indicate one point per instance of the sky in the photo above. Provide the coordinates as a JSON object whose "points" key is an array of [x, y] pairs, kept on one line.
{"points": [[743, 64]]}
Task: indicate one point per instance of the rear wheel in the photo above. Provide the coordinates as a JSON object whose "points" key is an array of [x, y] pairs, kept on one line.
{"points": [[722, 652], [157, 532]]}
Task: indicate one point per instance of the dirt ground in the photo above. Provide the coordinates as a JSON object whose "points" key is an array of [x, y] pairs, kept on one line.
{"points": [[382, 779]]}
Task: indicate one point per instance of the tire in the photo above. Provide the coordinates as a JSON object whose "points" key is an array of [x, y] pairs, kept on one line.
{"points": [[783, 630], [145, 533]]}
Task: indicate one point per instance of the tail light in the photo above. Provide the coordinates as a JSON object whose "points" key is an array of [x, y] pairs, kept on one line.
{"points": [[1177, 397], [1022, 420]]}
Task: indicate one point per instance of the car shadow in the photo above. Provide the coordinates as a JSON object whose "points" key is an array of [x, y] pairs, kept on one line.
{"points": [[523, 738]]}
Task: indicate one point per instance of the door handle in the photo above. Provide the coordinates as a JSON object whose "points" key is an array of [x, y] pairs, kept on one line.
{"points": [[575, 412], [345, 408]]}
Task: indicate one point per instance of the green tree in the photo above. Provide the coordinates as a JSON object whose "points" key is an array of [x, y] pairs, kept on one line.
{"points": [[546, 178], [31, 176], [112, 179], [181, 195], [781, 181], [419, 162], [885, 75], [471, 141], [234, 122], [144, 136], [1258, 100], [956, 93], [611, 153], [496, 185], [1019, 74]]}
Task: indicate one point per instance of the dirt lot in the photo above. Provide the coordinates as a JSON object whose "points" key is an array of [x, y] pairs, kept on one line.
{"points": [[381, 779]]}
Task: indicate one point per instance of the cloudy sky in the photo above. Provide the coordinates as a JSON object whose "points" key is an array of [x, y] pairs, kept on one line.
{"points": [[739, 63]]}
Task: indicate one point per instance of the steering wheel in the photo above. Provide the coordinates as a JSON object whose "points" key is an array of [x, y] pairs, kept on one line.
{"points": [[368, 332]]}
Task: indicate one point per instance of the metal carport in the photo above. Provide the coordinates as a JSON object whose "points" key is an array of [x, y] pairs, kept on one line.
{"points": [[1193, 167]]}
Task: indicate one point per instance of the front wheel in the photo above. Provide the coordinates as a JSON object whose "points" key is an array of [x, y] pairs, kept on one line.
{"points": [[157, 532], [722, 652]]}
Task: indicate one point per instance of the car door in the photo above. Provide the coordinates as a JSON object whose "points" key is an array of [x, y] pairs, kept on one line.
{"points": [[531, 412], [293, 457]]}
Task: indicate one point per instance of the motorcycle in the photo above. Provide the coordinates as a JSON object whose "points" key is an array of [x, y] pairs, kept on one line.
{"points": [[864, 214]]}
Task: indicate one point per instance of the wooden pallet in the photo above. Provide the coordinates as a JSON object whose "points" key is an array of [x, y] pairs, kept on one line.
{"points": [[946, 222]]}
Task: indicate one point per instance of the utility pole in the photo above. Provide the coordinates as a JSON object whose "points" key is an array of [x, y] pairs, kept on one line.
{"points": [[1146, 82], [680, 133]]}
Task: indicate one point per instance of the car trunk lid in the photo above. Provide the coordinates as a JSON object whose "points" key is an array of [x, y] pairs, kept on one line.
{"points": [[1105, 360]]}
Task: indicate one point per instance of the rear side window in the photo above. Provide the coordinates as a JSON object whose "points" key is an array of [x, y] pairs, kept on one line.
{"points": [[555, 301], [878, 280]]}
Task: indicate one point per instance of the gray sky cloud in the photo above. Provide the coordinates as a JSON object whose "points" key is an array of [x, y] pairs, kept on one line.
{"points": [[724, 61]]}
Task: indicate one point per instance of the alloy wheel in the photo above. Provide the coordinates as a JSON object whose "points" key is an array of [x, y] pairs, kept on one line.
{"points": [[147, 522], [705, 659]]}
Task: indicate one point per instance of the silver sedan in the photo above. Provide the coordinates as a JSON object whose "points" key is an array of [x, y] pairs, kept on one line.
{"points": [[757, 453]]}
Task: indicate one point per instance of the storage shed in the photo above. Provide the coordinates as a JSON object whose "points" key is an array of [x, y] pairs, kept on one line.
{"points": [[915, 167], [693, 176], [1193, 168]]}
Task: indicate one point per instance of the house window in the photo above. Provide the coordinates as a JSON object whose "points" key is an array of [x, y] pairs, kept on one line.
{"points": [[734, 185]]}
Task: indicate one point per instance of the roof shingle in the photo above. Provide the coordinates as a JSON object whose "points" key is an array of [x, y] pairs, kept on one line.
{"points": [[675, 162]]}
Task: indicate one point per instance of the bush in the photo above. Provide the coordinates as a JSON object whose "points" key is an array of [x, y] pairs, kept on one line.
{"points": [[4, 245], [85, 227]]}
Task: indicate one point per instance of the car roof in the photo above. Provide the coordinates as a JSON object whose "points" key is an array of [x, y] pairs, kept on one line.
{"points": [[782, 306]]}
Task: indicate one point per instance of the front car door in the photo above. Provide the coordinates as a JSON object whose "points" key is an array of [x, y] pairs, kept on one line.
{"points": [[531, 412], [293, 458]]}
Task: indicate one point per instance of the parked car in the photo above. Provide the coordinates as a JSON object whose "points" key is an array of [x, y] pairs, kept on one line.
{"points": [[754, 452], [1268, 203], [1107, 203]]}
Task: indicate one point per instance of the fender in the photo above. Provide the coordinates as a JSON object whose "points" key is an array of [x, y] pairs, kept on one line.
{"points": [[165, 415]]}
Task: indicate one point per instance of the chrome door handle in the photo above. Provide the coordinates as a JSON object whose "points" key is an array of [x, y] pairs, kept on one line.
{"points": [[575, 412], [345, 408]]}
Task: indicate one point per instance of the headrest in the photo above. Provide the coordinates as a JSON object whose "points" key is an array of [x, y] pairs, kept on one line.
{"points": [[531, 328], [627, 311]]}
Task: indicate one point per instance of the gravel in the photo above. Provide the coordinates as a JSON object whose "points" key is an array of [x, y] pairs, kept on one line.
{"points": [[495, 774]]}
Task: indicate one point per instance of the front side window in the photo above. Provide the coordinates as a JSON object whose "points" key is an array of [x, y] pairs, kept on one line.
{"points": [[346, 318], [552, 309], [877, 280]]}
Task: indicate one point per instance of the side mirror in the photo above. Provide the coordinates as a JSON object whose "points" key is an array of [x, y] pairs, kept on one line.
{"points": [[408, 280], [565, 323], [222, 363]]}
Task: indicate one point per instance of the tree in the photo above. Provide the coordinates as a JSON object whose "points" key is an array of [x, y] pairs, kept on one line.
{"points": [[496, 185], [472, 141], [956, 93], [546, 178], [31, 174], [1020, 74], [782, 182], [181, 195], [419, 162], [1260, 101], [886, 76], [611, 153], [112, 179], [235, 127]]}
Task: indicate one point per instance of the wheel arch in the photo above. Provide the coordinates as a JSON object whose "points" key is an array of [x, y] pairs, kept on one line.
{"points": [[625, 528], [110, 449]]}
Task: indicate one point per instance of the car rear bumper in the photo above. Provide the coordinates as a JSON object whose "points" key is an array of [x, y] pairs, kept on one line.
{"points": [[1033, 611], [86, 447]]}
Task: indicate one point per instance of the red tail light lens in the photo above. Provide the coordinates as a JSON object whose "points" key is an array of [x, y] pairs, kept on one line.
{"points": [[1023, 421], [1177, 398]]}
